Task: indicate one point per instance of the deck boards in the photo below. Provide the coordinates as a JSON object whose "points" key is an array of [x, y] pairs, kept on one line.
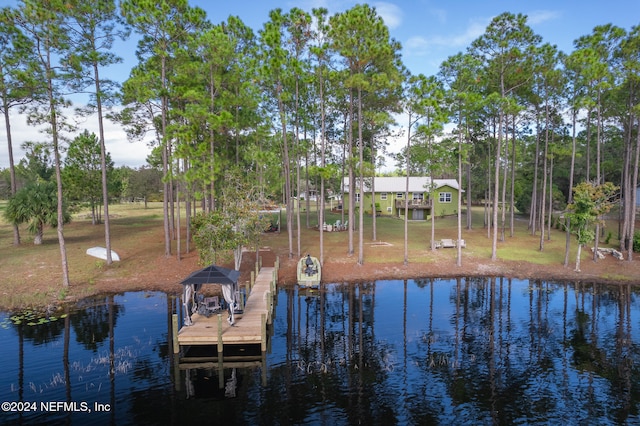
{"points": [[246, 330]]}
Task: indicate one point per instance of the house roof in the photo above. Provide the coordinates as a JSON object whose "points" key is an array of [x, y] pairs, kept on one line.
{"points": [[399, 184]]}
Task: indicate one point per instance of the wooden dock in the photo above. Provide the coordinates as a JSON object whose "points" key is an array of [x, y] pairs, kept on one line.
{"points": [[210, 337]]}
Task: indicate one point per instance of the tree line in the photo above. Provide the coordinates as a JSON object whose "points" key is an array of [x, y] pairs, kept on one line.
{"points": [[35, 203], [312, 98]]}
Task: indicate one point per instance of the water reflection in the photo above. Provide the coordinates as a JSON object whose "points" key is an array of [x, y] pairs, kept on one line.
{"points": [[465, 351], [66, 365], [459, 351]]}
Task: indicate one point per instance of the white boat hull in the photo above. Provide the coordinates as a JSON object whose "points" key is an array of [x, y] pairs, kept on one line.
{"points": [[101, 253]]}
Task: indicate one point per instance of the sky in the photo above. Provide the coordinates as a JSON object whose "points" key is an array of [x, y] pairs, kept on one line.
{"points": [[429, 31]]}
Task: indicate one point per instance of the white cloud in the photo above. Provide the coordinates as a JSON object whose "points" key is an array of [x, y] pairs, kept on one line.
{"points": [[390, 13], [20, 132], [540, 16], [419, 45], [123, 152]]}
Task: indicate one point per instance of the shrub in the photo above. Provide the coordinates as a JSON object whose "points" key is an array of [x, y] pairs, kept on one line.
{"points": [[636, 242]]}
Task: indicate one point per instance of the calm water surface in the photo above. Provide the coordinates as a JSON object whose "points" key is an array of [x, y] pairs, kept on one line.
{"points": [[466, 351]]}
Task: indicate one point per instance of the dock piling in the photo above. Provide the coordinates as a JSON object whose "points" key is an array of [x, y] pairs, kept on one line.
{"points": [[174, 333]]}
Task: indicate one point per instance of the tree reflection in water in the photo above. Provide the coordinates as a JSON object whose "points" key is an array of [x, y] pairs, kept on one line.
{"points": [[453, 351], [431, 351]]}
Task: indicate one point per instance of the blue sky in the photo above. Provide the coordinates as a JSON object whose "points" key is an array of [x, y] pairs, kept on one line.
{"points": [[429, 32]]}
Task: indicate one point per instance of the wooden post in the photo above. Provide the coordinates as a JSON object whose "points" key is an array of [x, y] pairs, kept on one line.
{"points": [[263, 332], [275, 273], [220, 348], [176, 351], [253, 280], [267, 297], [174, 332], [260, 261]]}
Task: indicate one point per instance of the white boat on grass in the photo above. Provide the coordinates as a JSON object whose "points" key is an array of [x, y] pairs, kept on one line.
{"points": [[101, 253]]}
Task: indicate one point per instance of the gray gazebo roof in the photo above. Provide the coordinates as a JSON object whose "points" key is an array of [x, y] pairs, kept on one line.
{"points": [[213, 274]]}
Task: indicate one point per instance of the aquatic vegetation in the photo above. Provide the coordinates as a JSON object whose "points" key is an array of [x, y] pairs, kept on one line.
{"points": [[30, 318]]}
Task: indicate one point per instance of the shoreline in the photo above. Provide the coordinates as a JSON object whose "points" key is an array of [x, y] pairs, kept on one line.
{"points": [[341, 271], [34, 281]]}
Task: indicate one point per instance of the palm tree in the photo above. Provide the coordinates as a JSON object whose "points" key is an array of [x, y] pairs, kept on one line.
{"points": [[37, 205]]}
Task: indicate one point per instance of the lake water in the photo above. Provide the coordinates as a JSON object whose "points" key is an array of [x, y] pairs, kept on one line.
{"points": [[465, 351]]}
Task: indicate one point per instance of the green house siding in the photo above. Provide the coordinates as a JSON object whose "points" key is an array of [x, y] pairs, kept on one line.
{"points": [[382, 208], [385, 202], [383, 205], [445, 203]]}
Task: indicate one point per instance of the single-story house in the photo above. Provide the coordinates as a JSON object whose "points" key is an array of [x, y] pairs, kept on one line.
{"points": [[390, 196]]}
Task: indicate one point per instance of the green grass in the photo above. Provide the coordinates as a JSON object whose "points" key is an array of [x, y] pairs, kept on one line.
{"points": [[33, 277], [521, 247], [35, 273]]}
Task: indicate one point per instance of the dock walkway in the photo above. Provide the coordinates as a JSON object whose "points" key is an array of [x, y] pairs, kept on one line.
{"points": [[249, 330]]}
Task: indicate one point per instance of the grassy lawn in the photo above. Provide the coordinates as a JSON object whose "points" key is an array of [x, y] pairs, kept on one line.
{"points": [[38, 267], [388, 246], [32, 276]]}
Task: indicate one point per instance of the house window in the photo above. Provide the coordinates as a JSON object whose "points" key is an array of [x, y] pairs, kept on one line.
{"points": [[383, 195], [445, 197], [400, 195], [357, 197], [418, 197], [388, 209]]}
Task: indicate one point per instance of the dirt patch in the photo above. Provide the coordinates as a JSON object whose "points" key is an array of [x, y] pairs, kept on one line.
{"points": [[165, 273], [346, 269], [140, 244]]}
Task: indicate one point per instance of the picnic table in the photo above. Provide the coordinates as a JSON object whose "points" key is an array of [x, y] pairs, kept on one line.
{"points": [[449, 243]]}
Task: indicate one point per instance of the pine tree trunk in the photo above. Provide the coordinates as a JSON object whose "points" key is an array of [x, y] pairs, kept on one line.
{"points": [[361, 183], [577, 269], [103, 166], [12, 170]]}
